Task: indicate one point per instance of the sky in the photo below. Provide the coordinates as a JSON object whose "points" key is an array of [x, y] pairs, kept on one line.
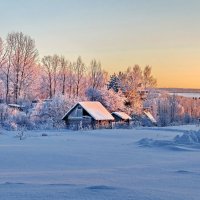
{"points": [[119, 33]]}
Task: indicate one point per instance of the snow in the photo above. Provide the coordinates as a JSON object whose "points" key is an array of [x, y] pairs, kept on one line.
{"points": [[15, 105], [150, 116], [188, 138], [122, 115], [99, 164], [95, 109]]}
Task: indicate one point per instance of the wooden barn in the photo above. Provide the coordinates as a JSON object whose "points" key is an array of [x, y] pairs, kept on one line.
{"points": [[121, 117], [88, 114]]}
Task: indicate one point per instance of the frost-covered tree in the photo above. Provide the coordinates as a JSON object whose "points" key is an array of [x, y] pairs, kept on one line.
{"points": [[173, 109], [109, 98], [48, 114], [164, 112], [132, 79], [113, 101], [3, 53], [22, 60], [50, 66], [18, 58], [70, 81], [148, 80], [133, 82], [79, 69], [95, 75], [63, 72]]}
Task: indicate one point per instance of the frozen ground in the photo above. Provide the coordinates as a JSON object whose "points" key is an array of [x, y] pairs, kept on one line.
{"points": [[98, 165]]}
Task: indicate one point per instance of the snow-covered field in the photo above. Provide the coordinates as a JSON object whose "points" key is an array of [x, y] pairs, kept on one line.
{"points": [[101, 164]]}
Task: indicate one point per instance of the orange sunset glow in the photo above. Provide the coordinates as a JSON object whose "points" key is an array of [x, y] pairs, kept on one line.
{"points": [[162, 34]]}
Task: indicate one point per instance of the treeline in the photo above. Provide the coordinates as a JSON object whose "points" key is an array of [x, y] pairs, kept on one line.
{"points": [[180, 90], [171, 109], [25, 76]]}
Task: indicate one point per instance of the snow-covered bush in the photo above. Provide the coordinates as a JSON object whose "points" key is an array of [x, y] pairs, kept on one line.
{"points": [[22, 120], [15, 120], [49, 113], [4, 113]]}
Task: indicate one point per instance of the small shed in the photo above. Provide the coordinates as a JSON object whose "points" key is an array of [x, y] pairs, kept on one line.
{"points": [[88, 114], [121, 117]]}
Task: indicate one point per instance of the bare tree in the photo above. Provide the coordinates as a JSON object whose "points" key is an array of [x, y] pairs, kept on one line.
{"points": [[51, 66], [47, 64], [3, 64], [22, 59], [70, 79], [55, 66], [3, 53], [18, 56], [79, 70], [63, 73], [96, 75], [6, 71]]}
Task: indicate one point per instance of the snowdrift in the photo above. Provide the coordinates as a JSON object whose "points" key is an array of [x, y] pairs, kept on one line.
{"points": [[189, 139]]}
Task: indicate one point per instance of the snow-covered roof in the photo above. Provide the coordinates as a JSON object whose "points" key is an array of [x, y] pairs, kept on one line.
{"points": [[15, 105], [122, 115], [150, 116], [95, 109]]}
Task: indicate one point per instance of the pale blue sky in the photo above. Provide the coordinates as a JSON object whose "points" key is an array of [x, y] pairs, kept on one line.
{"points": [[162, 33]]}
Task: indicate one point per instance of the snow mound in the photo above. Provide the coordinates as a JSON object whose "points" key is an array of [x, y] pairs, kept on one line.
{"points": [[188, 141], [147, 142], [188, 138]]}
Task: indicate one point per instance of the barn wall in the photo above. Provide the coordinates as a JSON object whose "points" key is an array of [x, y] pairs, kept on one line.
{"points": [[76, 112], [80, 123], [103, 124]]}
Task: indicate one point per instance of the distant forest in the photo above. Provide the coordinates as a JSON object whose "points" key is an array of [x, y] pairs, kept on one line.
{"points": [[180, 90]]}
